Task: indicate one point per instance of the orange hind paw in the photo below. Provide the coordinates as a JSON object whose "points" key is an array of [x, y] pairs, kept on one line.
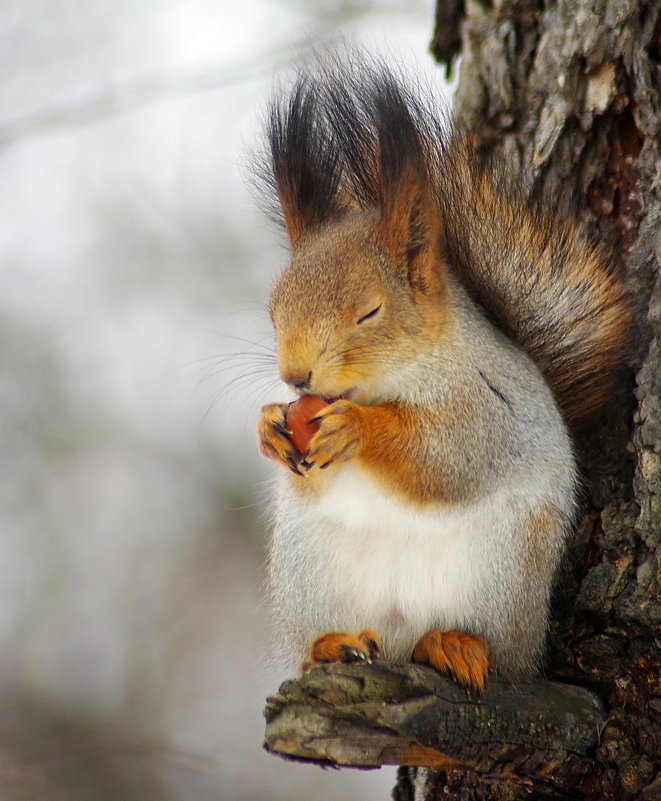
{"points": [[342, 646], [465, 657]]}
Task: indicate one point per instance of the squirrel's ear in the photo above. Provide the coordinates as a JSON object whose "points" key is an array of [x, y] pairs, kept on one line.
{"points": [[410, 225], [410, 230]]}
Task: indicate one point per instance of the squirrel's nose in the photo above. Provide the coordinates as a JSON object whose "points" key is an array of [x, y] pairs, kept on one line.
{"points": [[297, 379]]}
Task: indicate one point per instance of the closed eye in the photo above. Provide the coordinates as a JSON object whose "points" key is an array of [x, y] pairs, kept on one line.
{"points": [[368, 315]]}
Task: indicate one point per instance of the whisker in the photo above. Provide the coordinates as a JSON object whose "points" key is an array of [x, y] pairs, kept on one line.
{"points": [[256, 343], [219, 396], [354, 349], [237, 382], [356, 356], [226, 356], [212, 371]]}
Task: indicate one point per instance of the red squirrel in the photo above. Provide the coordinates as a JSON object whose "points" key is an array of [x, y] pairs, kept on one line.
{"points": [[460, 335]]}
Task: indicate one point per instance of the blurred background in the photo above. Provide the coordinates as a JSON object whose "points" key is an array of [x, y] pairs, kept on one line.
{"points": [[135, 351]]}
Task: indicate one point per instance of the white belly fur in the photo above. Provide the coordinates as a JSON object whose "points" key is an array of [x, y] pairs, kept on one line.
{"points": [[358, 558]]}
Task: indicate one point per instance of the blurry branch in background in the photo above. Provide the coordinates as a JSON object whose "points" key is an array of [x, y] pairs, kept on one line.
{"points": [[140, 92]]}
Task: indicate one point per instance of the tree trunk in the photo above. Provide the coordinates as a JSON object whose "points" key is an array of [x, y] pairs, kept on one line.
{"points": [[571, 95]]}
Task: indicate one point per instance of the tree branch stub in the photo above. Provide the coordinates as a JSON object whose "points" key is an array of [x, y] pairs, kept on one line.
{"points": [[365, 716]]}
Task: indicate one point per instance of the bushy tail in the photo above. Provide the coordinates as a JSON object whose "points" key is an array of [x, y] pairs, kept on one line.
{"points": [[540, 279], [346, 134]]}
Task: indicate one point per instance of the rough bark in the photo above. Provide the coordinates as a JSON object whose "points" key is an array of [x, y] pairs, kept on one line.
{"points": [[391, 714], [570, 94]]}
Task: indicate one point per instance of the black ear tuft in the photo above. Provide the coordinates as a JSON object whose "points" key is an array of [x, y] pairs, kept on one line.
{"points": [[305, 160], [400, 141]]}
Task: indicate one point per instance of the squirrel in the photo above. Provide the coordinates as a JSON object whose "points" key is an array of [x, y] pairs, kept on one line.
{"points": [[462, 334]]}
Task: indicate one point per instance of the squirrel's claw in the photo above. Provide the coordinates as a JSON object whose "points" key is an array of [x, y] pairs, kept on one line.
{"points": [[293, 466], [350, 654], [281, 428]]}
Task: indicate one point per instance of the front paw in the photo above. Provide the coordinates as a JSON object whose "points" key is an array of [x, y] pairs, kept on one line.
{"points": [[340, 435], [273, 436]]}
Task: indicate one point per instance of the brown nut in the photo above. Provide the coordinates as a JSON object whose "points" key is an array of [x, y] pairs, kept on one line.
{"points": [[298, 414]]}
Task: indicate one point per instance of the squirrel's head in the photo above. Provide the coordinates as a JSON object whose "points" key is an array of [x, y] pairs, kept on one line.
{"points": [[360, 299], [352, 159]]}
